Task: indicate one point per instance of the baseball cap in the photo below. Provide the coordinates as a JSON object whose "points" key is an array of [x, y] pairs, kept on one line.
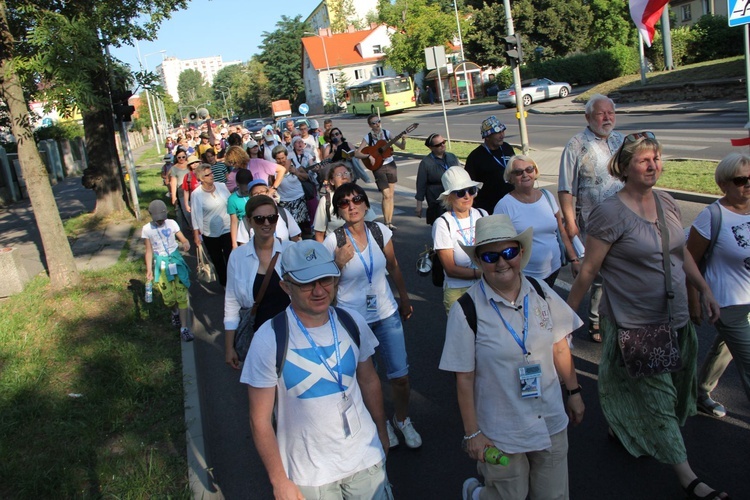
{"points": [[307, 261], [158, 210], [251, 143], [492, 126]]}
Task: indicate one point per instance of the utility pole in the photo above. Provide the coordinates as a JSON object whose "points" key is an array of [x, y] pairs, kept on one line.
{"points": [[514, 53]]}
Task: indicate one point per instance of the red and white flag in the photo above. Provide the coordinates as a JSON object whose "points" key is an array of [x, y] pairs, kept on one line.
{"points": [[645, 14]]}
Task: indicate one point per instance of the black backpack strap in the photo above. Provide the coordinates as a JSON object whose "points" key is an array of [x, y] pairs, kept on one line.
{"points": [[349, 324], [376, 233], [537, 287], [282, 214], [470, 311], [281, 329], [328, 208]]}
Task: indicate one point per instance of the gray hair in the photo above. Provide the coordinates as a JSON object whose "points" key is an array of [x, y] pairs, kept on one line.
{"points": [[596, 98], [508, 173], [729, 167]]}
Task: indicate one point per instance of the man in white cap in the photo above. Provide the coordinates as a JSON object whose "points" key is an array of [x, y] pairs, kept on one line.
{"points": [[584, 175], [331, 434], [487, 163]]}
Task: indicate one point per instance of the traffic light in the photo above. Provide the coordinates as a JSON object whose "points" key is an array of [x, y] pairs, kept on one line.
{"points": [[122, 110], [513, 50]]}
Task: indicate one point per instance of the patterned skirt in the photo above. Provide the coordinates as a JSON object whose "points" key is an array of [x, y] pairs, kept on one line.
{"points": [[298, 209]]}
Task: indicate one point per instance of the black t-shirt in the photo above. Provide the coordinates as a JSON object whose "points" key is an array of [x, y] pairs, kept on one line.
{"points": [[274, 300], [488, 167]]}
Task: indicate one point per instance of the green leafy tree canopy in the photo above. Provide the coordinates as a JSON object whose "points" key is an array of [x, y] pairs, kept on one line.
{"points": [[281, 52]]}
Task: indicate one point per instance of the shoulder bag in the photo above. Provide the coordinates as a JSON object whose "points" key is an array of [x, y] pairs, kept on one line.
{"points": [[653, 349], [243, 335]]}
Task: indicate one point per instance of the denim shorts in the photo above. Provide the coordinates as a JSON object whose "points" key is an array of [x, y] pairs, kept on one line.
{"points": [[390, 335]]}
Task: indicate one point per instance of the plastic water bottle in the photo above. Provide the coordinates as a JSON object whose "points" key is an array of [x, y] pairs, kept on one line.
{"points": [[494, 456], [149, 292]]}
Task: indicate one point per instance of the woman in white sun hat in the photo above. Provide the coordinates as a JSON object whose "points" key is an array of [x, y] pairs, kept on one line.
{"points": [[456, 226], [506, 341]]}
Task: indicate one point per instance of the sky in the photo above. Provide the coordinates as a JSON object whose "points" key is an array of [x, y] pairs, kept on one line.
{"points": [[231, 29]]}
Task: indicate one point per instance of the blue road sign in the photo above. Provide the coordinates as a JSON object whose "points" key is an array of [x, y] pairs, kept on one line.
{"points": [[739, 12], [303, 109]]}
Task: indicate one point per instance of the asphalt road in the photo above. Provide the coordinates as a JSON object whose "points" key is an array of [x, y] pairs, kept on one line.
{"points": [[718, 448], [689, 135]]}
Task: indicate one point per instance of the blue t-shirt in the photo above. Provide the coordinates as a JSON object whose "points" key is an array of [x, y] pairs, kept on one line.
{"points": [[236, 204]]}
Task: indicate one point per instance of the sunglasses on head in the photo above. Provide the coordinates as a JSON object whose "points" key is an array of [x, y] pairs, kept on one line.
{"points": [[374, 122], [639, 135], [519, 172], [261, 219], [460, 193], [740, 181], [439, 144], [357, 200], [509, 253]]}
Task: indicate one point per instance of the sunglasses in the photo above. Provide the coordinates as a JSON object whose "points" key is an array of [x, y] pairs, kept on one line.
{"points": [[335, 134], [207, 173], [438, 144], [181, 157], [340, 175], [325, 282], [639, 135], [740, 181], [357, 200], [529, 170], [462, 192], [262, 219], [374, 122], [509, 253]]}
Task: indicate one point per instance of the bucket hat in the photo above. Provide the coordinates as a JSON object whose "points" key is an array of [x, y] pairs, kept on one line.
{"points": [[456, 178], [494, 228]]}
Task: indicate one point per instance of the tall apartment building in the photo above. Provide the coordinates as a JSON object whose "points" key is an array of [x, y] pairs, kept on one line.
{"points": [[171, 67]]}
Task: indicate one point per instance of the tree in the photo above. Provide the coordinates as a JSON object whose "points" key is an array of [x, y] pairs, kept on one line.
{"points": [[281, 53], [343, 14], [191, 88], [59, 257], [560, 27], [225, 86], [484, 43], [420, 25], [253, 88], [611, 25], [60, 56], [342, 81]]}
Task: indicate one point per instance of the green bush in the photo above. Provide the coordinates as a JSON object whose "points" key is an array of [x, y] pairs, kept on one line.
{"points": [[504, 78], [60, 130], [683, 38], [581, 69], [715, 39]]}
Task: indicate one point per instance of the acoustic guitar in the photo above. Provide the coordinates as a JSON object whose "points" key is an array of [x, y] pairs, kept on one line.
{"points": [[383, 149], [345, 155]]}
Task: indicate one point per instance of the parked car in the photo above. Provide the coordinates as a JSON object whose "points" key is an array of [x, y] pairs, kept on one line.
{"points": [[253, 125], [281, 122], [538, 89]]}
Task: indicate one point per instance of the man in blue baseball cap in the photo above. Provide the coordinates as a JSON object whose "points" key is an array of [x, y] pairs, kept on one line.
{"points": [[488, 162]]}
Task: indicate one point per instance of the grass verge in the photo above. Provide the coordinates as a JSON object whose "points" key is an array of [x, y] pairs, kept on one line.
{"points": [[696, 176], [90, 392]]}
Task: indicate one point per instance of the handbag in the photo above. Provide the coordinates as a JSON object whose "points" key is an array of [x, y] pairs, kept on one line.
{"points": [[243, 335], [653, 349], [563, 252], [205, 270]]}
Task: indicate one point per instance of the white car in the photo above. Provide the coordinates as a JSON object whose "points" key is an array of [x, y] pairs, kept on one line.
{"points": [[538, 89]]}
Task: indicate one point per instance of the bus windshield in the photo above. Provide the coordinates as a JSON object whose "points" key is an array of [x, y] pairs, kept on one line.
{"points": [[397, 85]]}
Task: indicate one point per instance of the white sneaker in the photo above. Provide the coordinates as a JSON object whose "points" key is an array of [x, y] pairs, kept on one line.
{"points": [[470, 485], [392, 437], [708, 405], [411, 436]]}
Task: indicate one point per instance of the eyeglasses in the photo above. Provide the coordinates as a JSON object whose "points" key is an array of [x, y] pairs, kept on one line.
{"points": [[357, 200], [639, 135], [529, 170], [740, 181], [462, 192], [181, 157], [261, 219], [509, 253], [325, 282], [340, 175], [374, 122], [438, 144]]}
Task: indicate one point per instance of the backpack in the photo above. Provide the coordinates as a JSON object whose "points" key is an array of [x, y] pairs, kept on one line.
{"points": [[280, 326], [715, 211], [470, 309], [372, 226], [438, 277]]}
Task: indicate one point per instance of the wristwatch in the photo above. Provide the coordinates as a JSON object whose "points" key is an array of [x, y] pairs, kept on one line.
{"points": [[574, 391]]}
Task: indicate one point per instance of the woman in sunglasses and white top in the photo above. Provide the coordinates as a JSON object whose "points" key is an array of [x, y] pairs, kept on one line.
{"points": [[528, 206], [248, 266], [456, 226]]}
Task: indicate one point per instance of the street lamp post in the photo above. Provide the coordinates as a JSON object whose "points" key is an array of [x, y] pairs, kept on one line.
{"points": [[226, 112], [148, 101], [329, 80], [463, 61]]}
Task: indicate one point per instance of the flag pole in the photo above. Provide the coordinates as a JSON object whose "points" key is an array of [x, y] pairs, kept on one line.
{"points": [[642, 52]]}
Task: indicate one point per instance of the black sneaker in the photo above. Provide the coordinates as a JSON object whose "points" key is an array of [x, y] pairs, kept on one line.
{"points": [[176, 320]]}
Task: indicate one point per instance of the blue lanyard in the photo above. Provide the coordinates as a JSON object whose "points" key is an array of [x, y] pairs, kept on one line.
{"points": [[521, 343], [497, 160], [468, 241], [369, 270], [338, 375], [444, 164]]}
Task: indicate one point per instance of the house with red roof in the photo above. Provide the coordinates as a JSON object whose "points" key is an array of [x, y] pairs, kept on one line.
{"points": [[357, 54]]}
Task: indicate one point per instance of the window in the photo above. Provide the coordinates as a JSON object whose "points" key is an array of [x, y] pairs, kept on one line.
{"points": [[686, 15], [376, 49], [706, 4], [359, 74], [378, 71]]}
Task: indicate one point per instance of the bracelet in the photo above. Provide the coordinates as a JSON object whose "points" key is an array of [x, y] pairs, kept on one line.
{"points": [[472, 436], [574, 391]]}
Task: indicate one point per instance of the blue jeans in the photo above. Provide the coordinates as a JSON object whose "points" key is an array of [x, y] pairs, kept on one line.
{"points": [[390, 335]]}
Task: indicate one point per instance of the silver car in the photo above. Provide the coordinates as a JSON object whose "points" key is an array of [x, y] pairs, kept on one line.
{"points": [[538, 89]]}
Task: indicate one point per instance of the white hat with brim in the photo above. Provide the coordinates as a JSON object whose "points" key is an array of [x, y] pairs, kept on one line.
{"points": [[307, 261], [454, 179], [495, 228]]}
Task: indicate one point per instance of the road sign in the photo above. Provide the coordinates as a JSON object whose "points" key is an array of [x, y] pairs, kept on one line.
{"points": [[303, 109], [739, 12], [434, 57]]}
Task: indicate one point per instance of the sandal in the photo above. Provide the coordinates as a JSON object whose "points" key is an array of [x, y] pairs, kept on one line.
{"points": [[690, 490], [595, 335]]}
